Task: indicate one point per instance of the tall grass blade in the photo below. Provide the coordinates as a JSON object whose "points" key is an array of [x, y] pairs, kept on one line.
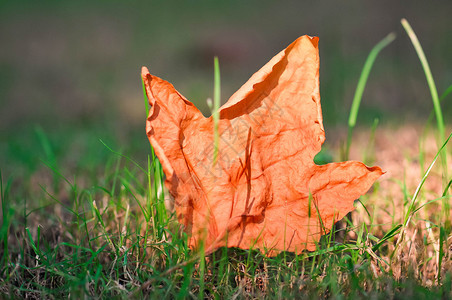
{"points": [[33, 245], [391, 233], [149, 199], [445, 94], [436, 106], [159, 195], [446, 189], [442, 240], [7, 212], [146, 101], [428, 75], [361, 85], [216, 108], [431, 85], [202, 269], [184, 289]]}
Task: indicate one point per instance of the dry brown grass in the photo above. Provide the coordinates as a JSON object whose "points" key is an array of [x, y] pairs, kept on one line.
{"points": [[398, 151]]}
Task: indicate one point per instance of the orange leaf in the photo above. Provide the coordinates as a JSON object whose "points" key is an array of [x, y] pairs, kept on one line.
{"points": [[264, 191]]}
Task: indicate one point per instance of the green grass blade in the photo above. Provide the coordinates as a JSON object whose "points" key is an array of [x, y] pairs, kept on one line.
{"points": [[149, 198], [428, 75], [33, 244], [122, 155], [446, 189], [433, 91], [159, 196], [146, 101], [429, 202], [391, 233], [202, 269], [445, 94], [442, 239], [437, 109], [216, 108], [7, 213], [184, 289], [361, 85]]}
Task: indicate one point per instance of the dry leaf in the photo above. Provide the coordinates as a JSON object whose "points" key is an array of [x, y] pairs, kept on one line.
{"points": [[264, 191]]}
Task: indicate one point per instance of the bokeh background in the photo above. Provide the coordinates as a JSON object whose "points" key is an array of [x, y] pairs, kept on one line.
{"points": [[70, 71]]}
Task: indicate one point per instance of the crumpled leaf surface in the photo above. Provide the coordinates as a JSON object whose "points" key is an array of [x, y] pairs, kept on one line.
{"points": [[264, 191]]}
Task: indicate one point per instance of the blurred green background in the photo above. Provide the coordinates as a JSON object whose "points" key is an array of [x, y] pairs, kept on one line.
{"points": [[70, 71]]}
